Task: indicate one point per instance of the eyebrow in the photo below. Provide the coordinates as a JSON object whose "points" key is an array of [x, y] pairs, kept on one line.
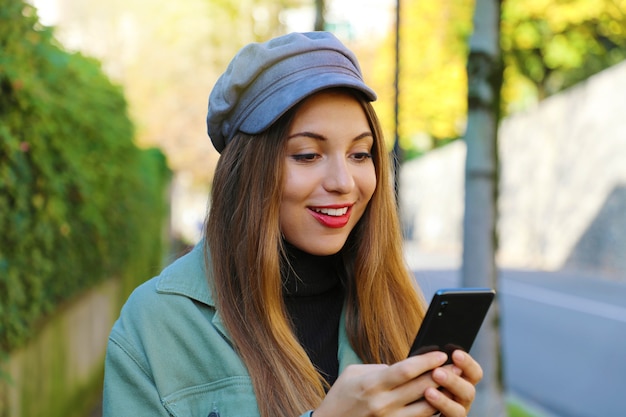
{"points": [[319, 137]]}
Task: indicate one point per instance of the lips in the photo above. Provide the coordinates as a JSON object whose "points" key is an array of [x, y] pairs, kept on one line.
{"points": [[335, 217]]}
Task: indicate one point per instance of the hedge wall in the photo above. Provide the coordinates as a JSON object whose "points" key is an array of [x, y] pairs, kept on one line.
{"points": [[78, 201]]}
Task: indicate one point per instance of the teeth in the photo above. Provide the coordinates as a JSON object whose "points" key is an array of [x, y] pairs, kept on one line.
{"points": [[332, 212]]}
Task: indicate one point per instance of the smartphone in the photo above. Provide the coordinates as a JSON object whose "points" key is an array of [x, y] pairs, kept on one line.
{"points": [[452, 320]]}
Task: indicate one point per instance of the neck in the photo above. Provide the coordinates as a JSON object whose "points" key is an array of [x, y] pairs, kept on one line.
{"points": [[305, 274]]}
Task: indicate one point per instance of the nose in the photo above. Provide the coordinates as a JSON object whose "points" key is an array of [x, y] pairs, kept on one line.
{"points": [[339, 178]]}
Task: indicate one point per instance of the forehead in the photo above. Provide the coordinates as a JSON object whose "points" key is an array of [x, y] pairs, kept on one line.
{"points": [[330, 110]]}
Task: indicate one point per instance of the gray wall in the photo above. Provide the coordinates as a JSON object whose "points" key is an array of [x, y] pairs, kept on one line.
{"points": [[562, 187]]}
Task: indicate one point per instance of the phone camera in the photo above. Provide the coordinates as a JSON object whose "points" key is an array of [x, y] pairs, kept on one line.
{"points": [[442, 308]]}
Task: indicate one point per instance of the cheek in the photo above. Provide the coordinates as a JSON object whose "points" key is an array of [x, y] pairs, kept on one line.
{"points": [[367, 183], [292, 199], [292, 222], [293, 191]]}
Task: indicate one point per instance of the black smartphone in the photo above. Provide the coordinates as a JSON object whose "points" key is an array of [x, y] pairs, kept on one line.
{"points": [[452, 320]]}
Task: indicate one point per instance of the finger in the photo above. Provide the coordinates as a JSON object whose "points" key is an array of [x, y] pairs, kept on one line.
{"points": [[472, 371], [461, 390], [408, 369], [445, 405], [355, 371], [413, 391], [365, 377], [419, 408]]}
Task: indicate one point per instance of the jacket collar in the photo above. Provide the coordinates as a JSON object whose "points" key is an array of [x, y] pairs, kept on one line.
{"points": [[188, 276]]}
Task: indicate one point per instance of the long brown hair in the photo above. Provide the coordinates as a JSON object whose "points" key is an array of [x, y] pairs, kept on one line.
{"points": [[243, 238]]}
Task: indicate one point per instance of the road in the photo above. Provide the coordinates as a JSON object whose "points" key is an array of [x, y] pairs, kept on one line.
{"points": [[563, 339]]}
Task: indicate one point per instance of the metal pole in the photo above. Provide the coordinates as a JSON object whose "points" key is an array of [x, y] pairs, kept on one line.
{"points": [[397, 151]]}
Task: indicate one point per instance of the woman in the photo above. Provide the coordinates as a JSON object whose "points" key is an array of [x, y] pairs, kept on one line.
{"points": [[298, 300]]}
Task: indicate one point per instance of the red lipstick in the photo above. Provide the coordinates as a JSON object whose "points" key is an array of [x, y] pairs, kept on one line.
{"points": [[335, 217]]}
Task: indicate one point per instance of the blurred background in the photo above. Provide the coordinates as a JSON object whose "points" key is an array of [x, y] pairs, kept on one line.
{"points": [[105, 172]]}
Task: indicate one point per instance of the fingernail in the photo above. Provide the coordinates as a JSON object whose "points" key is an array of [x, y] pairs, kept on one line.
{"points": [[432, 394], [440, 375], [459, 355]]}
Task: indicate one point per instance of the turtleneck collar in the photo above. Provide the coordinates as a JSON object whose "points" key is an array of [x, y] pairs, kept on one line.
{"points": [[307, 275]]}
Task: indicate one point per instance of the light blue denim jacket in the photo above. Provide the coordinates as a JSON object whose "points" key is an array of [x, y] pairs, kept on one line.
{"points": [[170, 355]]}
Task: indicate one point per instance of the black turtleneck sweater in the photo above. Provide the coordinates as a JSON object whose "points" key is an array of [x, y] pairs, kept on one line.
{"points": [[314, 296]]}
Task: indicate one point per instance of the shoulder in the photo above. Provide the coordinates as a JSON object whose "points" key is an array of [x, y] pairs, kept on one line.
{"points": [[186, 279], [173, 303], [169, 344]]}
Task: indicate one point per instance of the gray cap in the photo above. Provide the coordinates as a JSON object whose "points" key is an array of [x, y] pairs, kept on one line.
{"points": [[265, 80]]}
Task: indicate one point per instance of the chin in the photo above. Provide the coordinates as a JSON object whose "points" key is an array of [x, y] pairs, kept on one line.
{"points": [[326, 252], [322, 250]]}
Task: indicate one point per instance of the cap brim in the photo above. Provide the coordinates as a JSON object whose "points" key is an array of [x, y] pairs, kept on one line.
{"points": [[284, 97]]}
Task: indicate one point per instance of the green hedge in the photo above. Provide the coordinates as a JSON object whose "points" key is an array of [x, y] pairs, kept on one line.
{"points": [[78, 201]]}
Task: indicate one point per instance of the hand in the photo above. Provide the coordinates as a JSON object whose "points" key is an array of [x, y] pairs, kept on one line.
{"points": [[458, 382], [396, 390]]}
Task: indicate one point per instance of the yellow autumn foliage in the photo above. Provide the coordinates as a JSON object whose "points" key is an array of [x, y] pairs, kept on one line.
{"points": [[433, 82]]}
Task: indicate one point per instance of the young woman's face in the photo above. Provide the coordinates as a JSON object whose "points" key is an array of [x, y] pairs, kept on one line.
{"points": [[329, 173]]}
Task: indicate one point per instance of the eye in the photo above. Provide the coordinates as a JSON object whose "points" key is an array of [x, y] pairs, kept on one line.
{"points": [[361, 156], [305, 157]]}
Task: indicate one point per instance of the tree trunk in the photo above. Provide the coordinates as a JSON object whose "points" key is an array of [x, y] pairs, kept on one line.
{"points": [[320, 8], [484, 72]]}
